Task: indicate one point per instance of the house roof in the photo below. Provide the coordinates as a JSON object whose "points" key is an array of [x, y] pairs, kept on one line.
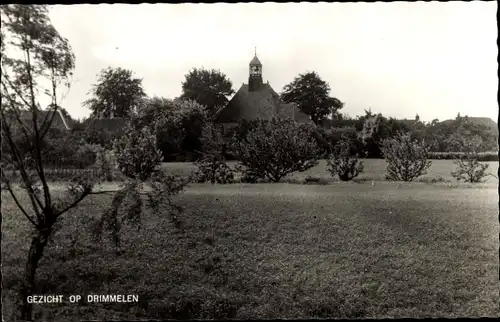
{"points": [[261, 103], [58, 121]]}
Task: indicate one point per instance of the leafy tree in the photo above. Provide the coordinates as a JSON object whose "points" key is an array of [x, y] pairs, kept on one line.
{"points": [[377, 128], [44, 57], [209, 88], [276, 148], [343, 162], [312, 96], [406, 157], [116, 94], [179, 129], [443, 135], [151, 110]]}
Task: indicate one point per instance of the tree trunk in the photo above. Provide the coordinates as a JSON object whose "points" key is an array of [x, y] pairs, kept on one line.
{"points": [[35, 253]]}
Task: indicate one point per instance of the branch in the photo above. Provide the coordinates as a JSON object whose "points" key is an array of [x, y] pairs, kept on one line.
{"points": [[14, 109], [15, 152], [84, 194], [9, 188], [41, 173]]}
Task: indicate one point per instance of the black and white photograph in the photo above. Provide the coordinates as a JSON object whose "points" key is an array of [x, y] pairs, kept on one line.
{"points": [[249, 161]]}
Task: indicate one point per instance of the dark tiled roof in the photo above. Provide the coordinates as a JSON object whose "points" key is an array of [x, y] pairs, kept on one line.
{"points": [[262, 103], [114, 125], [255, 61]]}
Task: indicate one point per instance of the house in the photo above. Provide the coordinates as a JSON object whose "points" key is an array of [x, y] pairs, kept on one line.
{"points": [[257, 100], [59, 121]]}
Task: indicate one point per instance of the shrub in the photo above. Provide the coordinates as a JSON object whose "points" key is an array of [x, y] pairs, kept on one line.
{"points": [[214, 172], [136, 153], [248, 175], [470, 169], [276, 148], [406, 158], [481, 156], [211, 165], [343, 162]]}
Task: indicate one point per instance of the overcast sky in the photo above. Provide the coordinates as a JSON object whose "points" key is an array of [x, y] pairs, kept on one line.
{"points": [[435, 59]]}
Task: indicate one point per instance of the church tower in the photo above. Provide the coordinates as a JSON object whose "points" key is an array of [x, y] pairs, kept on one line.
{"points": [[255, 78]]}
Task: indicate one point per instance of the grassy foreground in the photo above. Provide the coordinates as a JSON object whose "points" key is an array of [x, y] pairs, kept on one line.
{"points": [[278, 251]]}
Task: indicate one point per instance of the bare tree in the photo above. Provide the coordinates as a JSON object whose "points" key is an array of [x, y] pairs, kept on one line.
{"points": [[33, 54]]}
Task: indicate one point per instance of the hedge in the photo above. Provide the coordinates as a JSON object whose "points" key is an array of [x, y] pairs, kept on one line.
{"points": [[483, 156]]}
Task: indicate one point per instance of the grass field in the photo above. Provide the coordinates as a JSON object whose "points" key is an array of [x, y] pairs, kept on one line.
{"points": [[280, 251]]}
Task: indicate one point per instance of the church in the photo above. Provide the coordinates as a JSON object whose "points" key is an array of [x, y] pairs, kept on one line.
{"points": [[257, 100]]}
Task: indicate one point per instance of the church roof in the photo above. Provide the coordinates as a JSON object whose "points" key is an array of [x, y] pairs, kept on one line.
{"points": [[261, 103], [255, 61]]}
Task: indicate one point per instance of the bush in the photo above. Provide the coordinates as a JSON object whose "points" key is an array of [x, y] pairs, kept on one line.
{"points": [[136, 153], [211, 165], [343, 162], [481, 156], [328, 138], [406, 158], [276, 148], [248, 175], [470, 170], [214, 172]]}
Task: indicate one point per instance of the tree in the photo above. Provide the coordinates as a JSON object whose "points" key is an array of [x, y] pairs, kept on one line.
{"points": [[311, 94], [377, 128], [406, 157], [209, 88], [179, 128], [116, 94], [33, 53], [276, 148]]}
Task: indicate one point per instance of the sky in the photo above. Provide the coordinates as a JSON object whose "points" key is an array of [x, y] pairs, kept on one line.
{"points": [[434, 59]]}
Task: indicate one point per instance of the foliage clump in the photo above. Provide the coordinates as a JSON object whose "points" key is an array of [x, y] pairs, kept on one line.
{"points": [[212, 166], [343, 162], [275, 148], [140, 162], [137, 155], [469, 169], [407, 158]]}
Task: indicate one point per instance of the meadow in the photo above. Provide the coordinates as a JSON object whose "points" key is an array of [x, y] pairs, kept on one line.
{"points": [[368, 248]]}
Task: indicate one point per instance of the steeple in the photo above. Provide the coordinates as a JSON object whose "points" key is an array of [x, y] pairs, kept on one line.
{"points": [[255, 73]]}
